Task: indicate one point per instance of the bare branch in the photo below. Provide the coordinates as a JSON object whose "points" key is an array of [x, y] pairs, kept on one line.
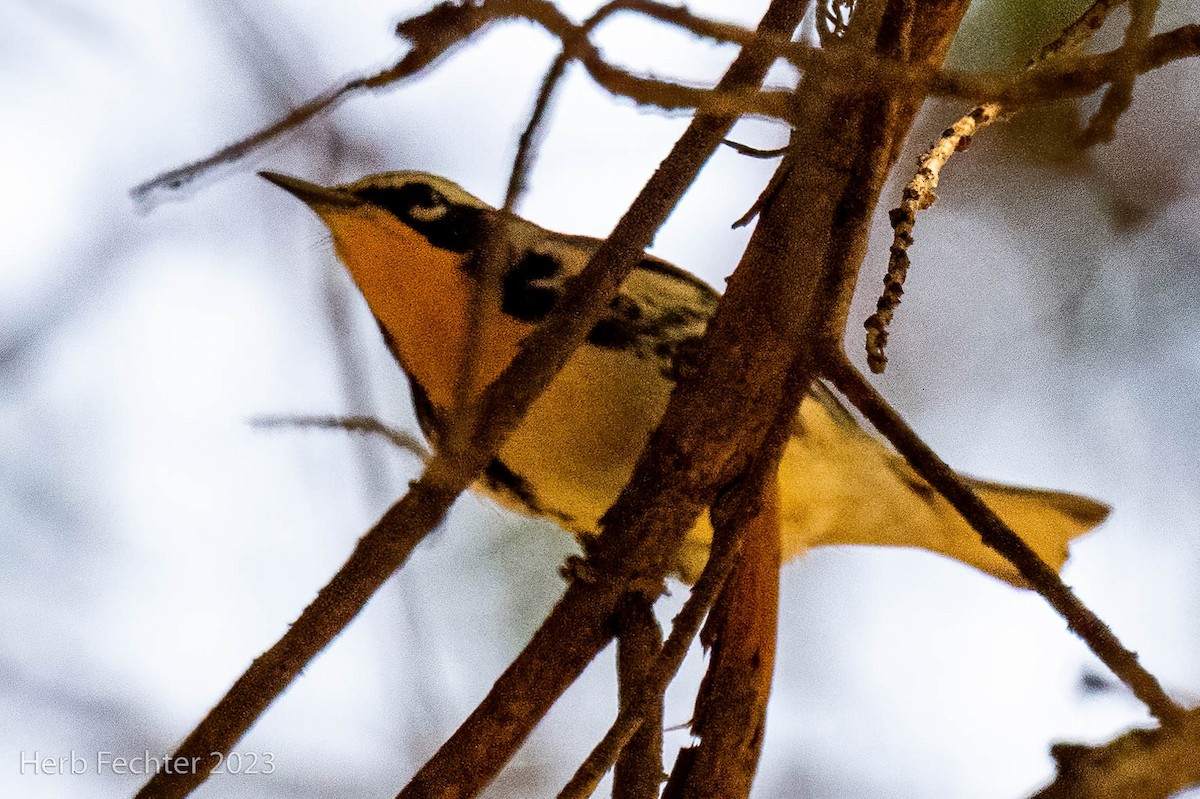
{"points": [[639, 769], [1147, 764], [378, 554], [919, 193], [1076, 36], [1116, 100], [1077, 76], [917, 196], [638, 707], [448, 25], [368, 425], [731, 706], [733, 517], [431, 34], [1000, 537]]}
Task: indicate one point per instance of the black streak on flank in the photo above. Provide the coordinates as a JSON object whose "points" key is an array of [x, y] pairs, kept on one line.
{"points": [[502, 479], [619, 330], [523, 297], [456, 229]]}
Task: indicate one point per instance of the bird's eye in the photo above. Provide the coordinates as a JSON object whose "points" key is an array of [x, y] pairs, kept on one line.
{"points": [[415, 202]]}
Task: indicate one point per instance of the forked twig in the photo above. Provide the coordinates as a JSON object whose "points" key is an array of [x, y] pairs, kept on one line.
{"points": [[739, 507], [919, 194], [1103, 123], [448, 25]]}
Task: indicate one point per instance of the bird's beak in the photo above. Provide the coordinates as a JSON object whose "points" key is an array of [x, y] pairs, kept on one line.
{"points": [[311, 194]]}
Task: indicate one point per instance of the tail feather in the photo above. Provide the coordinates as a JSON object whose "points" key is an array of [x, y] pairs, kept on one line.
{"points": [[1047, 520], [844, 486]]}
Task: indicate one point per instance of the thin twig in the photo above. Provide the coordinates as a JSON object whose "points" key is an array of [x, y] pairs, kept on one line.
{"points": [[754, 152], [776, 178], [488, 261], [431, 35], [1076, 36], [919, 194], [1103, 124], [531, 135], [368, 425], [436, 32], [1000, 537]]}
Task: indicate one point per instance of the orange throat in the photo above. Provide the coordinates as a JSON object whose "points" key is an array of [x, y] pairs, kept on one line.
{"points": [[423, 298]]}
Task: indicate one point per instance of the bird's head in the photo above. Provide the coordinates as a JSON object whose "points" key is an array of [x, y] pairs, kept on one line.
{"points": [[408, 239]]}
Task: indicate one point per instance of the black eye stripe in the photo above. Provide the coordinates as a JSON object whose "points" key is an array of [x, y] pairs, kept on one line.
{"points": [[400, 200], [446, 225]]}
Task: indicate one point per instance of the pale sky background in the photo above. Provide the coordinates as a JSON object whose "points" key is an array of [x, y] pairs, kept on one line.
{"points": [[154, 542]]}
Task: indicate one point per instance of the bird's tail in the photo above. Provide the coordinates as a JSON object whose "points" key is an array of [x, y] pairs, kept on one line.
{"points": [[844, 486], [1046, 520]]}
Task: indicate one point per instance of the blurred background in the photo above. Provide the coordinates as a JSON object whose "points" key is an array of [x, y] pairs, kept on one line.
{"points": [[154, 542]]}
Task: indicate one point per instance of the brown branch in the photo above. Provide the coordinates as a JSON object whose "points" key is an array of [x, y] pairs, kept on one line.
{"points": [[1146, 764], [432, 34], [1079, 33], [639, 705], [378, 554], [997, 535], [1077, 77], [732, 515], [448, 25], [639, 769], [1103, 124], [731, 707], [754, 152]]}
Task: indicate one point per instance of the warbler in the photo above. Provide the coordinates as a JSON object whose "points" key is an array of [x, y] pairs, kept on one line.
{"points": [[408, 240]]}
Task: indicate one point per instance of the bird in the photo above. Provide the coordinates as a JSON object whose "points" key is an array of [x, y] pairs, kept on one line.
{"points": [[410, 239]]}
